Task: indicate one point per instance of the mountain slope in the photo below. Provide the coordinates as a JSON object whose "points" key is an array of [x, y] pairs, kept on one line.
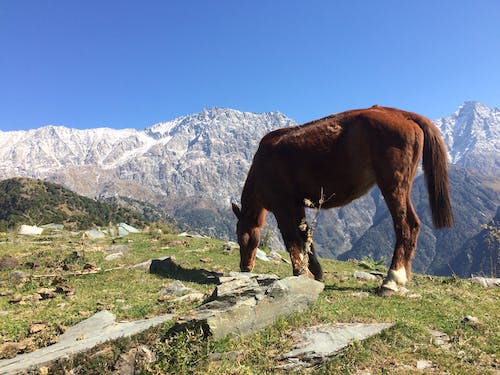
{"points": [[472, 135], [29, 201]]}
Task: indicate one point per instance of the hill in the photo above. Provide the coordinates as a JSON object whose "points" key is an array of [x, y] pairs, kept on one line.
{"points": [[49, 285], [35, 202]]}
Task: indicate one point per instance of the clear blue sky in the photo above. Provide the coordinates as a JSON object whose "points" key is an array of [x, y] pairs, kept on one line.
{"points": [[122, 63]]}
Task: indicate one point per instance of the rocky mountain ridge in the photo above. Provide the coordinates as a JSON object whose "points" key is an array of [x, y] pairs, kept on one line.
{"points": [[194, 165]]}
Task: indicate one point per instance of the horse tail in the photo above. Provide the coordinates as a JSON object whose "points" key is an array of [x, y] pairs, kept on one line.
{"points": [[436, 173]]}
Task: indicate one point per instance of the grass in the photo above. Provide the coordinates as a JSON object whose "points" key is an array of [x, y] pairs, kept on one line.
{"points": [[433, 303]]}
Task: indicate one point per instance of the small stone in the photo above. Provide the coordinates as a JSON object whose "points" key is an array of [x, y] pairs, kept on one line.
{"points": [[423, 364], [440, 339], [191, 297], [43, 371], [175, 288], [6, 293], [113, 256], [362, 275], [471, 320], [206, 260], [360, 295]]}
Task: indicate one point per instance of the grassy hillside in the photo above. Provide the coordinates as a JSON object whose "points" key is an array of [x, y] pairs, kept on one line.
{"points": [[85, 283], [35, 202]]}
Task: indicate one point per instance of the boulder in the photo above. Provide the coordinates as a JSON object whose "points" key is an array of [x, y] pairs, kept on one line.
{"points": [[97, 329], [244, 303], [316, 344]]}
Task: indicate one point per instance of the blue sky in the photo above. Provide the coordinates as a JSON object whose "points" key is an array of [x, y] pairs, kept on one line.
{"points": [[122, 64]]}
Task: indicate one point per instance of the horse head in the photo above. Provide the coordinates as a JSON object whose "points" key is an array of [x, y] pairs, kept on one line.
{"points": [[248, 232]]}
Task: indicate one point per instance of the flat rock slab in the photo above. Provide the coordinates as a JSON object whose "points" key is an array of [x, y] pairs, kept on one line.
{"points": [[244, 303], [95, 330], [315, 344]]}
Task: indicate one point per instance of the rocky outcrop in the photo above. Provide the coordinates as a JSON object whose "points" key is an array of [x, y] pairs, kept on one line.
{"points": [[244, 303], [85, 335]]}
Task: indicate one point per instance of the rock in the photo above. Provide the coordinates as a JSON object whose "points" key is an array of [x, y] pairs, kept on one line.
{"points": [[316, 344], [190, 297], [97, 329], [440, 339], [423, 364], [262, 256], [487, 282], [175, 288], [182, 292], [276, 257], [246, 302], [8, 263], [113, 256], [362, 275], [360, 295], [471, 320]]}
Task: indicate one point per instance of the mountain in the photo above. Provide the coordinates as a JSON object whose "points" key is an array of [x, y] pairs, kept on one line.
{"points": [[193, 166], [472, 135], [34, 202]]}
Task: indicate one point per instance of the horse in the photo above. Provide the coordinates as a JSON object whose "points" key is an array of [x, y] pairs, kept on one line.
{"points": [[341, 157]]}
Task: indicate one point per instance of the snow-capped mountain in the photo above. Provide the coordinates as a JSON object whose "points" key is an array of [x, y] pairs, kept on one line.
{"points": [[472, 135], [193, 165], [205, 154]]}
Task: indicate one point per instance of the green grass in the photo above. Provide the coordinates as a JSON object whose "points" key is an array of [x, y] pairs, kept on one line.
{"points": [[439, 304]]}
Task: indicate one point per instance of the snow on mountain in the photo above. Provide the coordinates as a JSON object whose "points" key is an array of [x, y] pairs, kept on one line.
{"points": [[205, 154], [203, 159], [472, 135]]}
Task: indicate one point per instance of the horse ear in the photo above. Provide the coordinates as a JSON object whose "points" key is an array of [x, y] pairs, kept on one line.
{"points": [[236, 210]]}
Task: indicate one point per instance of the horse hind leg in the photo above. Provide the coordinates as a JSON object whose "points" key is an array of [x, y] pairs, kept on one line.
{"points": [[406, 227]]}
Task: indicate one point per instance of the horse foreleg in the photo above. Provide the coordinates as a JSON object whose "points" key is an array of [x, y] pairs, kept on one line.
{"points": [[313, 263], [289, 224]]}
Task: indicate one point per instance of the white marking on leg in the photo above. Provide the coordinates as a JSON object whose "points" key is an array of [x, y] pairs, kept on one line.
{"points": [[394, 279], [399, 276]]}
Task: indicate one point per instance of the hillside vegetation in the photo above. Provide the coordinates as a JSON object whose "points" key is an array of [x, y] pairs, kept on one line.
{"points": [[35, 202], [85, 282]]}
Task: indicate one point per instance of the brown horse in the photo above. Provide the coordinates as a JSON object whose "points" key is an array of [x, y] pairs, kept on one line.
{"points": [[341, 157]]}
